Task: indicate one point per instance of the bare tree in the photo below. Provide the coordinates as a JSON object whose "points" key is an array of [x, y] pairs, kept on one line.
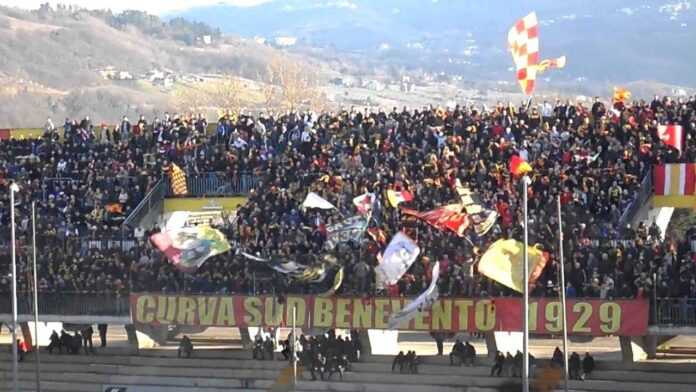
{"points": [[296, 84], [225, 93]]}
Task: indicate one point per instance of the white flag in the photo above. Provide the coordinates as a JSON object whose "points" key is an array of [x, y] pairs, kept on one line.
{"points": [[398, 257], [364, 202], [424, 301], [315, 201]]}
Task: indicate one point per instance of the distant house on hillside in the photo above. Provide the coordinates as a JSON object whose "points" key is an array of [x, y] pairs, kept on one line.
{"points": [[204, 40], [285, 41]]}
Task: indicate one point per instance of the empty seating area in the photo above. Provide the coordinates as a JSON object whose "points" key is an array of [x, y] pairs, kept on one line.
{"points": [[234, 370]]}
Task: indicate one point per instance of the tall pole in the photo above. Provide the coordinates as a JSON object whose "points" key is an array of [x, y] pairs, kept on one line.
{"points": [[525, 307], [563, 297], [37, 348], [294, 339], [14, 188]]}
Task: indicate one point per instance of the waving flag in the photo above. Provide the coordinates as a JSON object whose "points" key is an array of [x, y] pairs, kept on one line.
{"points": [[503, 262], [177, 178], [518, 166], [523, 41], [621, 95], [396, 197], [671, 135], [338, 280], [450, 217], [350, 229], [364, 203], [315, 201], [483, 218], [424, 301], [397, 259], [188, 248]]}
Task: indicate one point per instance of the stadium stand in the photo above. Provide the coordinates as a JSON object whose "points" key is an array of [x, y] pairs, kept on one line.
{"points": [[87, 179]]}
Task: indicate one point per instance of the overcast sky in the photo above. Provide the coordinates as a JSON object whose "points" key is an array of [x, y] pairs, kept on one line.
{"points": [[151, 6]]}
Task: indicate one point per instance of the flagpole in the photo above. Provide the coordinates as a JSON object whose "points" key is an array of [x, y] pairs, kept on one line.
{"points": [[563, 297], [15, 379], [37, 348], [294, 339], [525, 307]]}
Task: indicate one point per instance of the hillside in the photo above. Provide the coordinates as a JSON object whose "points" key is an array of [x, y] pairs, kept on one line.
{"points": [[67, 63], [617, 41]]}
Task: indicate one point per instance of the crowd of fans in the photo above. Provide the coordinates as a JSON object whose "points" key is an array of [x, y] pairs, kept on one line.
{"points": [[594, 156]]}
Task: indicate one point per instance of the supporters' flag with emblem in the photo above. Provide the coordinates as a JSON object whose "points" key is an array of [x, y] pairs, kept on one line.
{"points": [[284, 267], [350, 229], [423, 302], [676, 179], [396, 197], [364, 203], [450, 217], [315, 201], [503, 262], [671, 135], [518, 166], [621, 95], [482, 218], [188, 248], [523, 42], [177, 178], [397, 259]]}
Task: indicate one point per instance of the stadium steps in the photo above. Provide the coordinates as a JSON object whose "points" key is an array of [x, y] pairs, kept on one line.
{"points": [[63, 372]]}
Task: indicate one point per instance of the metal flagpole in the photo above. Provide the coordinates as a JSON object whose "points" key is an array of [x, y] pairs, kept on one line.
{"points": [[294, 339], [525, 307], [14, 188], [563, 297], [37, 348]]}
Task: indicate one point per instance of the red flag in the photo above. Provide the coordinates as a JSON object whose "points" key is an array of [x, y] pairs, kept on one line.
{"points": [[449, 217], [519, 166], [671, 135]]}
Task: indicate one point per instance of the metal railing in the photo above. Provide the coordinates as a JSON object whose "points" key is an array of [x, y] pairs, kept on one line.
{"points": [[104, 244], [217, 184], [677, 312], [69, 304], [153, 200]]}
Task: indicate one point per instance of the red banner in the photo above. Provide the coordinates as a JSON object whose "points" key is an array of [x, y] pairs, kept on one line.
{"points": [[585, 317]]}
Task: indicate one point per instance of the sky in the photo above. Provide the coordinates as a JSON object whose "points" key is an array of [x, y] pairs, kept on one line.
{"points": [[152, 6]]}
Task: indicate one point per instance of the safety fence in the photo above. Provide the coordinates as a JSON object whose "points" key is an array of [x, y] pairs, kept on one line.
{"points": [[217, 184], [68, 304], [678, 312]]}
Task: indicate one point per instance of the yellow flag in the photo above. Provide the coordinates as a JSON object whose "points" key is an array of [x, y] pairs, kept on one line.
{"points": [[503, 262], [177, 178]]}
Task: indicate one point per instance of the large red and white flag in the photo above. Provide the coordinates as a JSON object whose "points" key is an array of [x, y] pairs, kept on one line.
{"points": [[677, 179], [671, 135], [523, 41]]}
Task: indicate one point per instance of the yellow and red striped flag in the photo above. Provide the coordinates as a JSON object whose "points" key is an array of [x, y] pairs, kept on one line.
{"points": [[177, 178]]}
